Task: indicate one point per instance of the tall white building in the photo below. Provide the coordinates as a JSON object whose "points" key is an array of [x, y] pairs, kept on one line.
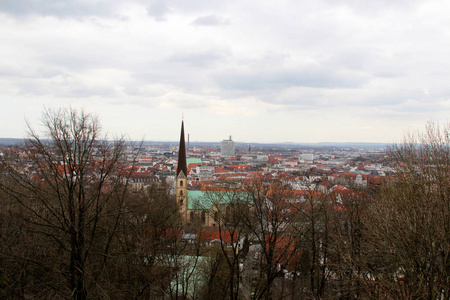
{"points": [[227, 147]]}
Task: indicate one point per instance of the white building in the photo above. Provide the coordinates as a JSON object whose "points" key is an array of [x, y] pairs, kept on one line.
{"points": [[307, 156], [227, 147], [205, 171]]}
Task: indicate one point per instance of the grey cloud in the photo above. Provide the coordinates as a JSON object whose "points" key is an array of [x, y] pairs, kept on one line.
{"points": [[404, 103], [65, 86], [59, 8], [148, 102], [82, 92], [389, 98], [404, 111], [284, 79], [196, 6], [158, 9], [199, 59], [188, 71], [307, 98], [352, 59], [301, 104], [210, 20], [371, 61], [378, 105], [28, 71], [388, 74], [76, 62], [143, 91], [417, 105], [187, 102], [177, 78]]}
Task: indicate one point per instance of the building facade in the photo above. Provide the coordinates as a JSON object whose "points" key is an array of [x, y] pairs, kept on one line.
{"points": [[227, 147]]}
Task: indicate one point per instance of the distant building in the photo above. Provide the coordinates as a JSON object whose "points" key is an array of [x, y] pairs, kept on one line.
{"points": [[205, 171], [307, 157], [227, 147]]}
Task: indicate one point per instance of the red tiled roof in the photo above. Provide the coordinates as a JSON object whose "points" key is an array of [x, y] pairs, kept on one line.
{"points": [[210, 235], [284, 251]]}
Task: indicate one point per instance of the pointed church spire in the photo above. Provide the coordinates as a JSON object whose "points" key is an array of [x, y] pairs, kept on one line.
{"points": [[182, 165]]}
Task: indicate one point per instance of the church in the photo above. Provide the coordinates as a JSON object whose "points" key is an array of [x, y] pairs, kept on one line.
{"points": [[202, 207]]}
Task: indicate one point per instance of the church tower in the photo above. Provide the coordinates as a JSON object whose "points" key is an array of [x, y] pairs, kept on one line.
{"points": [[181, 191]]}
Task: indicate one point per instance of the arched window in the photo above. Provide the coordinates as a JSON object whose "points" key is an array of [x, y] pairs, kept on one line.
{"points": [[181, 182], [203, 217], [192, 216], [216, 216], [181, 193]]}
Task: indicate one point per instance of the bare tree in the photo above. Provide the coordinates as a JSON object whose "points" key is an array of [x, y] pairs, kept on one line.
{"points": [[410, 220], [349, 246], [71, 187], [312, 219], [229, 209], [149, 233], [270, 226]]}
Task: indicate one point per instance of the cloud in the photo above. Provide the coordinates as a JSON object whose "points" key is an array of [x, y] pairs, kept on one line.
{"points": [[373, 8], [210, 20], [297, 63], [158, 9], [59, 8], [200, 58], [281, 79]]}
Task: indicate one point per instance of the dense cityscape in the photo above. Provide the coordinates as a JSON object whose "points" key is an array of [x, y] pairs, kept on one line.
{"points": [[212, 164], [84, 217]]}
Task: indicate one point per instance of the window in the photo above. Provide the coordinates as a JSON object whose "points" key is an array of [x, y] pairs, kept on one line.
{"points": [[203, 217], [192, 216], [181, 182]]}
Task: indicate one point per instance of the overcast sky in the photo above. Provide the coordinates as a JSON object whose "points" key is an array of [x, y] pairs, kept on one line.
{"points": [[261, 71]]}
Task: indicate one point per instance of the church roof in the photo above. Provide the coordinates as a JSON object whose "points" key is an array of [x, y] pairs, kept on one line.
{"points": [[204, 200], [182, 165], [193, 161]]}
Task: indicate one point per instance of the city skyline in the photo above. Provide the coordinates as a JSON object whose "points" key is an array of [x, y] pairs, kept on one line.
{"points": [[295, 71]]}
